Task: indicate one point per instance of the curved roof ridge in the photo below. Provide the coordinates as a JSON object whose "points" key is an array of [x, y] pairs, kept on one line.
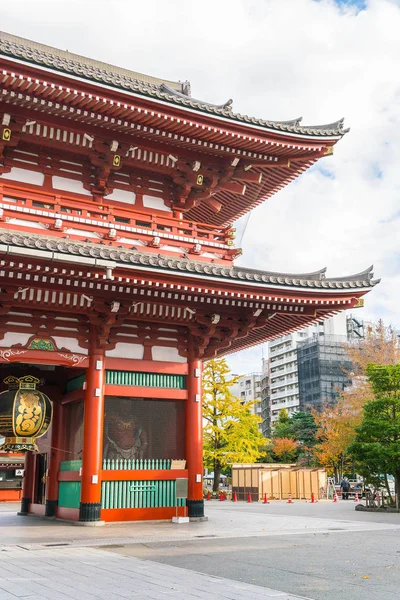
{"points": [[290, 122], [62, 59], [178, 93], [336, 125], [363, 275], [168, 90], [314, 275]]}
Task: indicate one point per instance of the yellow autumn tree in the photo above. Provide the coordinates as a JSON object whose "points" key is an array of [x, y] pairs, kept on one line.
{"points": [[337, 424], [231, 432]]}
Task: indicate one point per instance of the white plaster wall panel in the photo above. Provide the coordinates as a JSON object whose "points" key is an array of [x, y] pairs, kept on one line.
{"points": [[124, 350], [167, 354], [122, 196], [71, 344], [24, 176], [81, 232], [173, 248], [14, 338], [125, 240], [154, 202], [26, 223], [69, 185]]}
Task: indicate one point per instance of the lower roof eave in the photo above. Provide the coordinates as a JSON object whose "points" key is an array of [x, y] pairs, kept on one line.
{"points": [[52, 249]]}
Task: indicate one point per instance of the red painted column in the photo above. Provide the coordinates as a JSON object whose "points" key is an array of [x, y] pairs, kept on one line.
{"points": [[27, 485], [93, 437], [194, 439], [56, 456]]}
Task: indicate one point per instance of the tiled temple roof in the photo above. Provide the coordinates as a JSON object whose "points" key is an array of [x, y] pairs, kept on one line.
{"points": [[120, 255], [177, 93]]}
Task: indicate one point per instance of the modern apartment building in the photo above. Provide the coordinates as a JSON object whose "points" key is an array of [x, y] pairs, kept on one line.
{"points": [[280, 388], [323, 369], [264, 404], [248, 389]]}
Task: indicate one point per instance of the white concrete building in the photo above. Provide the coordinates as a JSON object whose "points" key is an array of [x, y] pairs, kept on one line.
{"points": [[248, 389]]}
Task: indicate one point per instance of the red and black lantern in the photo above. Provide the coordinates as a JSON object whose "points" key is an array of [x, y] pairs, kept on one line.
{"points": [[25, 414]]}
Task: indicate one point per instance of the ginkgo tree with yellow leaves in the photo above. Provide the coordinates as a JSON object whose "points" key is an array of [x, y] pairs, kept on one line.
{"points": [[231, 433]]}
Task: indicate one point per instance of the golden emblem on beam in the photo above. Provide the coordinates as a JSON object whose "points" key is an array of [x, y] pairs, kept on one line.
{"points": [[200, 179], [6, 136], [360, 303], [117, 160]]}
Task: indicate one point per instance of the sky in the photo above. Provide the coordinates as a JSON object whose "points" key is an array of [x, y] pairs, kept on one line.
{"points": [[277, 59]]}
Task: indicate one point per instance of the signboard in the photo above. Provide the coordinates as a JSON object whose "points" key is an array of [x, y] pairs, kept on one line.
{"points": [[177, 464], [182, 488]]}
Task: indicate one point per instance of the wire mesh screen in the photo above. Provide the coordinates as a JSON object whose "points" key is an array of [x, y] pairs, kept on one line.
{"points": [[74, 431], [138, 428]]}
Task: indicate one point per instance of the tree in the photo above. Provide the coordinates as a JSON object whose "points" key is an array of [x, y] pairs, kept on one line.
{"points": [[376, 448], [285, 449], [380, 346], [231, 430], [282, 426], [337, 424], [336, 430], [299, 426]]}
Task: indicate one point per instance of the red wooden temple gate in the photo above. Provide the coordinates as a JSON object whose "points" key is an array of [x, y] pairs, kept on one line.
{"points": [[117, 197]]}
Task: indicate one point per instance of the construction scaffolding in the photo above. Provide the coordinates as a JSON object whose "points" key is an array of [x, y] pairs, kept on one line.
{"points": [[323, 370]]}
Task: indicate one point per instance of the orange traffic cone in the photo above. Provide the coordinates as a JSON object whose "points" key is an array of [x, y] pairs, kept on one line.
{"points": [[313, 500], [221, 497], [290, 501], [249, 497], [234, 497], [356, 499], [265, 500], [208, 496], [335, 497]]}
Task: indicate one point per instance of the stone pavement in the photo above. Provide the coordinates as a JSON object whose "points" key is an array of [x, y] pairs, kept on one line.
{"points": [[226, 520], [92, 574], [52, 560]]}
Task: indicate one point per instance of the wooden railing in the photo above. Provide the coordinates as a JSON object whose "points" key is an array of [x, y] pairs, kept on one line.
{"points": [[57, 211]]}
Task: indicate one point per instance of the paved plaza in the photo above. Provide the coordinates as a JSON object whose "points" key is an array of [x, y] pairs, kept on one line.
{"points": [[324, 551]]}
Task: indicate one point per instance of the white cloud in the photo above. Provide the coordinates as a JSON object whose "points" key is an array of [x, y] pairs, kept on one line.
{"points": [[277, 59]]}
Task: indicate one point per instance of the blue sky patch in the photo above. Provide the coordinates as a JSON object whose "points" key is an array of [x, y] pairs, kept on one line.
{"points": [[360, 4], [376, 171]]}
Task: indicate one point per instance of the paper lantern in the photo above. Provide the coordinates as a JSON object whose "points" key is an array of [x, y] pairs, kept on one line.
{"points": [[25, 414]]}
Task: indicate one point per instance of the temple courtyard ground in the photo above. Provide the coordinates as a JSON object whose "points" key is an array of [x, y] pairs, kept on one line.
{"points": [[321, 551]]}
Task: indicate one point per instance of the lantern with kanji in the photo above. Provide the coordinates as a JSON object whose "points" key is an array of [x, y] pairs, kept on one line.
{"points": [[25, 414]]}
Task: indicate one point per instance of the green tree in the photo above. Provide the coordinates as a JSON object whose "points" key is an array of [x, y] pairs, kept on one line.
{"points": [[230, 428], [303, 428], [282, 428], [376, 448]]}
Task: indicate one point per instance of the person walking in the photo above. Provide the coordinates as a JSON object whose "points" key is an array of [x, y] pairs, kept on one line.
{"points": [[345, 487]]}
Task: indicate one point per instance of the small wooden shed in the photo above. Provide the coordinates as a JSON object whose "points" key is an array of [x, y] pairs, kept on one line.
{"points": [[277, 481]]}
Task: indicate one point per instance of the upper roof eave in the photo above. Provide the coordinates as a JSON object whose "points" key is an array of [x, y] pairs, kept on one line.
{"points": [[175, 93]]}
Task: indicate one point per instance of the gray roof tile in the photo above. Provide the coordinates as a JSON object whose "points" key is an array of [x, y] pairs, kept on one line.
{"points": [[121, 256], [174, 92]]}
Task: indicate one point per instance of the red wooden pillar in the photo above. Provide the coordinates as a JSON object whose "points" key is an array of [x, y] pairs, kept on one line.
{"points": [[56, 455], [194, 439], [93, 437], [27, 486]]}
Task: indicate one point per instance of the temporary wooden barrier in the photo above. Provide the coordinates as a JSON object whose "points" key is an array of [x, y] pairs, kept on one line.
{"points": [[277, 481]]}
